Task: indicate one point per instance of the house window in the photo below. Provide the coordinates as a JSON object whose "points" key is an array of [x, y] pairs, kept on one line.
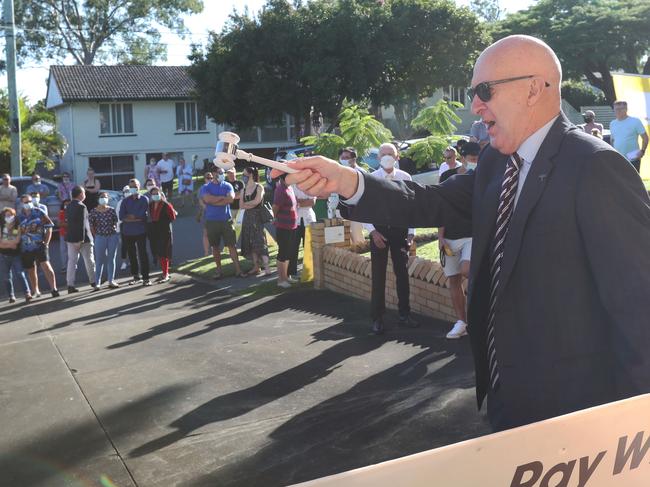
{"points": [[190, 118], [454, 93], [113, 171], [115, 118]]}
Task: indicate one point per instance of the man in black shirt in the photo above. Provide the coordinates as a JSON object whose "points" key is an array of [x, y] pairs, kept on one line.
{"points": [[79, 239], [456, 245]]}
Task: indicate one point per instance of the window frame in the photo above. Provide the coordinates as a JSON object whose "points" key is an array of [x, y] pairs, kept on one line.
{"points": [[194, 120], [116, 118]]}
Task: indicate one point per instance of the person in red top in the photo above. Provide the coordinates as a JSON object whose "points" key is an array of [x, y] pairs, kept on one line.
{"points": [[63, 229], [160, 230], [285, 211]]}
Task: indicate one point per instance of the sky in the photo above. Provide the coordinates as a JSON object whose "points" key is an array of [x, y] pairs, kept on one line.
{"points": [[32, 77]]}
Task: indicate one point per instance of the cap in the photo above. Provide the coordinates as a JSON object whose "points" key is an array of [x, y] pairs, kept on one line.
{"points": [[589, 113]]}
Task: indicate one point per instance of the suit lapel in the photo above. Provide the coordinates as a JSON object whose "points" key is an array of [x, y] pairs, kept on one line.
{"points": [[534, 185]]}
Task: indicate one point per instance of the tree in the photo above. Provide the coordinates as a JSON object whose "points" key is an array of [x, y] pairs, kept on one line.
{"points": [[99, 30], [295, 55], [487, 10], [591, 37], [579, 94], [40, 140], [439, 121], [358, 129]]}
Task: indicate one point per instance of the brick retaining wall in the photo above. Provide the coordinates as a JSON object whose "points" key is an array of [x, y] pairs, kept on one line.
{"points": [[340, 269]]}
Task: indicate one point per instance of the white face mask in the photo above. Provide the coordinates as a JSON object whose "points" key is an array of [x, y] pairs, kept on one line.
{"points": [[103, 201], [347, 162], [36, 199], [9, 218], [387, 162], [471, 165], [149, 187]]}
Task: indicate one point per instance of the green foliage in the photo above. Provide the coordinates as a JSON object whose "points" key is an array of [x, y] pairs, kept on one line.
{"points": [[361, 130], [428, 150], [325, 144], [579, 94], [438, 119], [39, 138], [591, 37], [295, 55], [99, 30], [487, 10]]}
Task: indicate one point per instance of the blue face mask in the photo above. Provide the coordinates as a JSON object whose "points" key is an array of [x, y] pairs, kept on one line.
{"points": [[221, 178], [28, 206], [245, 179], [133, 191], [155, 197], [103, 201]]}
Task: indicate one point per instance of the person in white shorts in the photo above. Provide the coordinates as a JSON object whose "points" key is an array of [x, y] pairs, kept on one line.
{"points": [[456, 246]]}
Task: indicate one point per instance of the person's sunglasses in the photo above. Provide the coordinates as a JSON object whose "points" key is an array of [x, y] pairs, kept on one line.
{"points": [[484, 90]]}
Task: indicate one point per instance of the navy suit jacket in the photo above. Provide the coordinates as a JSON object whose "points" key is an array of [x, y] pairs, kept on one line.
{"points": [[573, 314]]}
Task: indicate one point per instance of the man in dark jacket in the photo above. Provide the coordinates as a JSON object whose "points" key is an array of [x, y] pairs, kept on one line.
{"points": [[79, 239]]}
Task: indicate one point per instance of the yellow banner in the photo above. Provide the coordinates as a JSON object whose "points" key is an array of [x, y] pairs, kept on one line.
{"points": [[635, 90]]}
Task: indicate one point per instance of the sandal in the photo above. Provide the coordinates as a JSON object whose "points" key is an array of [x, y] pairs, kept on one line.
{"points": [[253, 272]]}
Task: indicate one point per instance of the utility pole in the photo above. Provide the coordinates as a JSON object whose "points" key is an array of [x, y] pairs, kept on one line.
{"points": [[14, 108]]}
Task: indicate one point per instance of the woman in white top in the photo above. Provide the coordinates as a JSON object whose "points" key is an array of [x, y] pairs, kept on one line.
{"points": [[184, 174]]}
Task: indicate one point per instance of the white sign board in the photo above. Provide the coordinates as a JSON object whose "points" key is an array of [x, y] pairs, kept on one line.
{"points": [[334, 234], [603, 446]]}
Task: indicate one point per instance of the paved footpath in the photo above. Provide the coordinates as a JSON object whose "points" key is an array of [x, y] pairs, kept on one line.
{"points": [[187, 384]]}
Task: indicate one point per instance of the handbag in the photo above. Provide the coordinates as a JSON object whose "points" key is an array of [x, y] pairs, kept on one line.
{"points": [[267, 212]]}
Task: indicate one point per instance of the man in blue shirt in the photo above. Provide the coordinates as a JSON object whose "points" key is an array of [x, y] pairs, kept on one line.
{"points": [[134, 214], [625, 135], [35, 235], [36, 201], [217, 196], [38, 187]]}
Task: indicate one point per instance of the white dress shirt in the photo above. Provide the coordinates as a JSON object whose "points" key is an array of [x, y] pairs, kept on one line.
{"points": [[397, 175], [305, 213]]}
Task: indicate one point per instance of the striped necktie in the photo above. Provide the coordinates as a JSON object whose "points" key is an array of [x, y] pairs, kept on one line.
{"points": [[506, 207]]}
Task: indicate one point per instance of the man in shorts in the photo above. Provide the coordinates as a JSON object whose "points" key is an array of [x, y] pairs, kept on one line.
{"points": [[35, 235], [217, 197]]}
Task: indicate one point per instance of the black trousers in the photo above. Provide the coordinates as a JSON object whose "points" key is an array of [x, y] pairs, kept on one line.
{"points": [[298, 237], [398, 249], [136, 247]]}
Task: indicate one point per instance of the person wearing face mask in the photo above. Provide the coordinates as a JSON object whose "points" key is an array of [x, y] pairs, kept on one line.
{"points": [[91, 186], [35, 236], [208, 177], [185, 173], [10, 265], [165, 168], [348, 157], [63, 227], [590, 123], [103, 224], [455, 243], [217, 197], [151, 172], [80, 240], [36, 201], [38, 187], [253, 236], [134, 214], [160, 231], [123, 254], [64, 188], [393, 239], [8, 193]]}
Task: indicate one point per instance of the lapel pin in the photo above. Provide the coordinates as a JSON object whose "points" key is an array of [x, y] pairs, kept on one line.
{"points": [[542, 178]]}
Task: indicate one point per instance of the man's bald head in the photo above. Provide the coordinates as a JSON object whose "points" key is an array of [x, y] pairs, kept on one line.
{"points": [[528, 95]]}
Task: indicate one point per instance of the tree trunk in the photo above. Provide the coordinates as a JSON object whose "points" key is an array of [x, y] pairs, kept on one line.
{"points": [[604, 83], [307, 122], [400, 118]]}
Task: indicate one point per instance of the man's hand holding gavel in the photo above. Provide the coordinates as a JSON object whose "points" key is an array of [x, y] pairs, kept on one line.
{"points": [[320, 176]]}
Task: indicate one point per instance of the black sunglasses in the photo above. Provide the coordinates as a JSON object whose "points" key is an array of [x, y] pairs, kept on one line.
{"points": [[484, 90]]}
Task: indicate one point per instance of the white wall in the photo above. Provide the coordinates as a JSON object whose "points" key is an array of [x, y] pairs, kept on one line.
{"points": [[154, 125]]}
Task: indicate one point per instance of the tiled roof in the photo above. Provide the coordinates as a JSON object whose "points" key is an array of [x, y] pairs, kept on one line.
{"points": [[91, 83]]}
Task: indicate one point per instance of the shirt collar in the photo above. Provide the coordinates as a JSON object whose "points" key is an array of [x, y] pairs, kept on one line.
{"points": [[530, 147]]}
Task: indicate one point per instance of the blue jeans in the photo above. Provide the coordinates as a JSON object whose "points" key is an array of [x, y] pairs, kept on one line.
{"points": [[11, 267], [105, 252]]}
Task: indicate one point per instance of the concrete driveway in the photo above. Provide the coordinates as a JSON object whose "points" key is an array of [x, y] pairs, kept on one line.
{"points": [[186, 384]]}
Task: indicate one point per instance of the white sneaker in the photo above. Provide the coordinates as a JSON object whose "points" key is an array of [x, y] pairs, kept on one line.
{"points": [[459, 330], [284, 284]]}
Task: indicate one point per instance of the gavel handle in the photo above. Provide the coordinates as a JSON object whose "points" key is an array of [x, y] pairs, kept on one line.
{"points": [[280, 166]]}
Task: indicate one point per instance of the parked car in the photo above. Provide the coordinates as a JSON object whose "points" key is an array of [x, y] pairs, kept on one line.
{"points": [[52, 201]]}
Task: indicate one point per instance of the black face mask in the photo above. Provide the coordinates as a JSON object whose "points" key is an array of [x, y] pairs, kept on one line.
{"points": [[588, 119]]}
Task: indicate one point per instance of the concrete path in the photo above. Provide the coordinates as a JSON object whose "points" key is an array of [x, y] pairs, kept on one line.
{"points": [[188, 384]]}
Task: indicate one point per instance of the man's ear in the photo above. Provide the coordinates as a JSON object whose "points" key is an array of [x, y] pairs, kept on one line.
{"points": [[537, 86]]}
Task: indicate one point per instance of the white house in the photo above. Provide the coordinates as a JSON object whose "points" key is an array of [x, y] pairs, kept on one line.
{"points": [[115, 118]]}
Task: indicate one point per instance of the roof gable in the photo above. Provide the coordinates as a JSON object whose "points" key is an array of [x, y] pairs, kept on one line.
{"points": [[104, 83]]}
